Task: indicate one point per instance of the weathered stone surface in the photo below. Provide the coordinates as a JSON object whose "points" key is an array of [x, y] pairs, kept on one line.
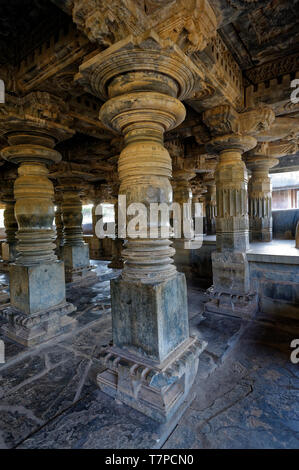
{"points": [[150, 320]]}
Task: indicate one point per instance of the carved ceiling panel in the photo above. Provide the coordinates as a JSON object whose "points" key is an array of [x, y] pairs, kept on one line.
{"points": [[258, 31]]}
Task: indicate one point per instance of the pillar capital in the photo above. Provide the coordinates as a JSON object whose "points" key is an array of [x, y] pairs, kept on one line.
{"points": [[236, 131], [146, 63], [38, 118], [261, 158], [190, 26]]}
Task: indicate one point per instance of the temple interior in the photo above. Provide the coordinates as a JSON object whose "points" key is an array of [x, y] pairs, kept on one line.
{"points": [[133, 339]]}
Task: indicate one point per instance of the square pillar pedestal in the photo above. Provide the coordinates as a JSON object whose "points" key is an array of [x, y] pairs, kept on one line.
{"points": [[153, 361], [38, 310], [77, 268], [231, 293]]}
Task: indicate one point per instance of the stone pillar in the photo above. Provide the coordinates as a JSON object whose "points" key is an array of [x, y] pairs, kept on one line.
{"points": [[75, 253], [37, 286], [260, 195], [199, 191], [117, 261], [153, 361], [297, 236], [182, 194], [10, 223], [211, 205], [107, 195], [59, 225], [231, 292], [96, 247]]}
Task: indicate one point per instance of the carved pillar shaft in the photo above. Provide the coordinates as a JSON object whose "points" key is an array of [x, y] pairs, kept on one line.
{"points": [[59, 228], [72, 216], [117, 243], [211, 209], [10, 222], [11, 226], [260, 196], [75, 252], [37, 284], [182, 194], [146, 180], [232, 223], [34, 211]]}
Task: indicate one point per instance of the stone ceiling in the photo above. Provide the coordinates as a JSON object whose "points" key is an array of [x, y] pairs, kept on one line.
{"points": [[259, 31], [26, 24]]}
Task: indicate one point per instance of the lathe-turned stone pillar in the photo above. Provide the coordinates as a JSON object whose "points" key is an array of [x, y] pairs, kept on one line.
{"points": [[153, 361], [37, 285], [260, 193], [59, 225], [107, 194], [117, 261], [231, 292], [75, 253], [182, 195], [9, 247], [199, 191], [95, 245], [211, 204]]}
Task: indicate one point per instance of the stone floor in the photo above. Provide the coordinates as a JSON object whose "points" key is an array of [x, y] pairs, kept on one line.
{"points": [[247, 389]]}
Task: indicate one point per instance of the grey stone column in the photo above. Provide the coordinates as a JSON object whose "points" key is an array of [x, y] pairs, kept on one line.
{"points": [[153, 361], [75, 253], [260, 192], [59, 225], [37, 286], [231, 292], [211, 205], [10, 223]]}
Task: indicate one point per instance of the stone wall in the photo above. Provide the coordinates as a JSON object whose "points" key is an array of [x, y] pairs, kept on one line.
{"points": [[284, 223], [278, 287]]}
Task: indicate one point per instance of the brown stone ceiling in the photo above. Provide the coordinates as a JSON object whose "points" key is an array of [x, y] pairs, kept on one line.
{"points": [[26, 24], [259, 31]]}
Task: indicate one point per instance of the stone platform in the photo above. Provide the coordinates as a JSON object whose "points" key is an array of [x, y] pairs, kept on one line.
{"points": [[245, 394], [274, 275]]}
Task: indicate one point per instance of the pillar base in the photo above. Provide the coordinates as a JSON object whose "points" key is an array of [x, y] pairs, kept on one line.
{"points": [[30, 330], [156, 390], [243, 306], [231, 293], [78, 271], [80, 277]]}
